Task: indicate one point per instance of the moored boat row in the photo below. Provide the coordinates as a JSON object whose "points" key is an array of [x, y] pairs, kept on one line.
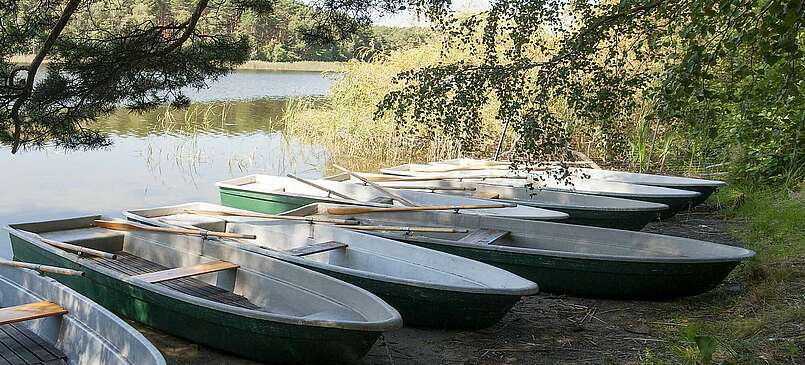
{"points": [[314, 271]]}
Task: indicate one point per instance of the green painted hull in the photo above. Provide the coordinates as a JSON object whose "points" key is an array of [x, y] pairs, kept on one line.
{"points": [[262, 202], [629, 220], [599, 278], [432, 308], [259, 340], [675, 205], [706, 191]]}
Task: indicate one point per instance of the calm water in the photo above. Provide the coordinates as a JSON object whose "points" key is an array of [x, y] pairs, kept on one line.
{"points": [[166, 157]]}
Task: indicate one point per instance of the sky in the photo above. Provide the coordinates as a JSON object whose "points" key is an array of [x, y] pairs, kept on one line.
{"points": [[407, 19]]}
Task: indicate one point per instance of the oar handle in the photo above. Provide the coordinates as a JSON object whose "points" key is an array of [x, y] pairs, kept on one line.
{"points": [[42, 268], [270, 216], [72, 247], [432, 188], [409, 229], [126, 226], [359, 210]]}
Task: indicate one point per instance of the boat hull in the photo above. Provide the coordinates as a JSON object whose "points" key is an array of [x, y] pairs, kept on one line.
{"points": [[600, 278], [617, 219], [433, 308], [256, 339], [675, 205], [262, 202]]}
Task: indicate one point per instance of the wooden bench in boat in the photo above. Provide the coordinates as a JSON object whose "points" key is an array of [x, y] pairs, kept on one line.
{"points": [[25, 312], [20, 346], [315, 248], [483, 236], [187, 271], [132, 265]]}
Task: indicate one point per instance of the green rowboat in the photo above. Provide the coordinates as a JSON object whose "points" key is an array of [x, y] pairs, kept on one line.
{"points": [[252, 305], [430, 288], [565, 258]]}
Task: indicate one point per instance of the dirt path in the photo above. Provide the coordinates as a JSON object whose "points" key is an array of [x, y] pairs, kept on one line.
{"points": [[540, 329]]}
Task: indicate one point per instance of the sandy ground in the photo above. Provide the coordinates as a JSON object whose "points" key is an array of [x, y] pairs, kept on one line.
{"points": [[541, 329]]}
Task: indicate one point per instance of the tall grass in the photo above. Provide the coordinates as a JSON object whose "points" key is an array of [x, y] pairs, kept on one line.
{"points": [[347, 126]]}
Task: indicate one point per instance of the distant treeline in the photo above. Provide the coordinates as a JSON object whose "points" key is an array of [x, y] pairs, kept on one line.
{"points": [[276, 36]]}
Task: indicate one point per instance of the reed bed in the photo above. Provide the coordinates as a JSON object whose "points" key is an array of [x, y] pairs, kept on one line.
{"points": [[346, 125]]}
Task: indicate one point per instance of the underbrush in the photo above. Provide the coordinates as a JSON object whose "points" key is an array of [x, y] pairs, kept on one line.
{"points": [[758, 314]]}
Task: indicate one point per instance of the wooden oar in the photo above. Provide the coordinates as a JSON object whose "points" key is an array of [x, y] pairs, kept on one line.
{"points": [[388, 192], [432, 188], [317, 186], [71, 247], [41, 268], [390, 178], [127, 226], [409, 229], [271, 216], [360, 210]]}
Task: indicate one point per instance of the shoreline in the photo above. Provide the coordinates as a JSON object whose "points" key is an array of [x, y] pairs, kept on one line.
{"points": [[300, 66]]}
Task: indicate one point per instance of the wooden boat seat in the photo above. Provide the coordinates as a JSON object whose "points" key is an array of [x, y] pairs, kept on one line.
{"points": [[487, 195], [25, 312], [20, 346], [315, 248], [131, 265], [187, 271], [483, 236]]}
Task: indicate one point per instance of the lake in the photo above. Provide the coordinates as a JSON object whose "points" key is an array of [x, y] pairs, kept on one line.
{"points": [[166, 157]]}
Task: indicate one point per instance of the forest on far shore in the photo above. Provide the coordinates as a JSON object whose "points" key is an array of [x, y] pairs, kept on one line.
{"points": [[277, 36]]}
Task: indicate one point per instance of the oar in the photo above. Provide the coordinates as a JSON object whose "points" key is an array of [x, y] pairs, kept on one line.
{"points": [[317, 186], [71, 247], [41, 268], [270, 216], [409, 229], [390, 178], [359, 210], [126, 226], [388, 193], [432, 188]]}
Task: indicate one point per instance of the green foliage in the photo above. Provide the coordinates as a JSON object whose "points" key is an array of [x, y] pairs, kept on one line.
{"points": [[723, 75], [345, 124], [140, 54]]}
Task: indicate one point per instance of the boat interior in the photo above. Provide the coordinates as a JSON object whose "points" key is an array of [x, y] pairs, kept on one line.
{"points": [[181, 263], [319, 246], [31, 340]]}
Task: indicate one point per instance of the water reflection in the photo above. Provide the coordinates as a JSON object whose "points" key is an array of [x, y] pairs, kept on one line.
{"points": [[165, 156]]}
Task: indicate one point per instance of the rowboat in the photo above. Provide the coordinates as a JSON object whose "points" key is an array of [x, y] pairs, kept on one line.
{"points": [[211, 293], [565, 258], [703, 186], [584, 209], [429, 288], [276, 194], [676, 200], [44, 322]]}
